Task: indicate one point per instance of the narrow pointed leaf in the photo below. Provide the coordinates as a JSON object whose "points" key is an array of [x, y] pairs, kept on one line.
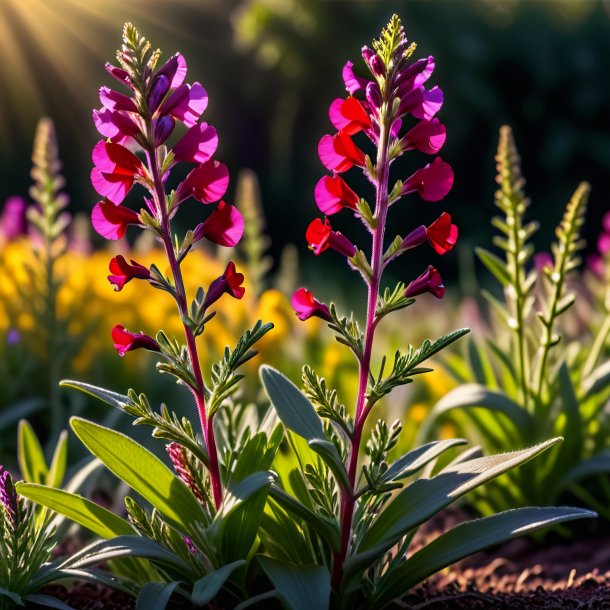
{"points": [[155, 595], [206, 588], [31, 457], [57, 470], [119, 401]]}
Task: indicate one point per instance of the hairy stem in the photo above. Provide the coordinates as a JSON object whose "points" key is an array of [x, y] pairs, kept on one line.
{"points": [[348, 500], [199, 390]]}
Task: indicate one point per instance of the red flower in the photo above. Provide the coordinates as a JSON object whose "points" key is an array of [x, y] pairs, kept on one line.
{"points": [[338, 153], [332, 194], [122, 272], [441, 234], [111, 221], [349, 116], [229, 282], [115, 170], [320, 237], [126, 341], [306, 306], [429, 281]]}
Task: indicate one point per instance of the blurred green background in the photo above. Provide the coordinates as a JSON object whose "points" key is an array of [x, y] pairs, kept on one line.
{"points": [[272, 67]]}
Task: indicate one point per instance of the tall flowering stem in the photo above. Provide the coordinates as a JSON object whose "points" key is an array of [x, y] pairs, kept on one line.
{"points": [[141, 122], [395, 92]]}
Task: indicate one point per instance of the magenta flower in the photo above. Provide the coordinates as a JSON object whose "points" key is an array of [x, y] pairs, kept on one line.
{"points": [[186, 103], [208, 183], [111, 221], [13, 221], [421, 103], [338, 153], [349, 116], [126, 341], [332, 194], [320, 237], [113, 100], [352, 82], [429, 281], [224, 226], [306, 306], [174, 70], [115, 170], [432, 182], [230, 282], [116, 126], [122, 272], [197, 145], [427, 137], [8, 496]]}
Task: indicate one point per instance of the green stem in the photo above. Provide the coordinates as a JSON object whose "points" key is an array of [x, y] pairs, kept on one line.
{"points": [[598, 346]]}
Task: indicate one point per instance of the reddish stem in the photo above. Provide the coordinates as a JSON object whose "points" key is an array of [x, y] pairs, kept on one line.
{"points": [[198, 391], [348, 495]]}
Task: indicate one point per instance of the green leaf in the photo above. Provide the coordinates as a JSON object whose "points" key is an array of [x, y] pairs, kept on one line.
{"points": [[495, 265], [118, 401], [301, 587], [466, 539], [597, 381], [90, 515], [416, 459], [236, 524], [293, 408], [57, 470], [12, 596], [155, 595], [298, 415], [598, 464], [144, 473], [31, 457], [425, 497], [478, 396], [46, 600], [206, 588], [324, 527]]}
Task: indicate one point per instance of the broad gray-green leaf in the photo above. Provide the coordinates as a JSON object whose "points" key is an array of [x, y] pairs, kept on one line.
{"points": [[206, 588], [118, 401], [144, 473], [31, 456], [46, 600], [299, 587], [90, 515], [475, 395], [16, 599], [298, 414], [155, 595], [416, 459], [425, 497], [466, 539]]}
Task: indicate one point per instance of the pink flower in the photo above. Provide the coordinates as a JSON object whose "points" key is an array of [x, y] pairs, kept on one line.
{"points": [[115, 170], [230, 282], [441, 235], [349, 116], [122, 272], [111, 221], [174, 70], [415, 75], [186, 103], [421, 103], [197, 145], [432, 181], [427, 137], [208, 183], [224, 226], [126, 341], [120, 74], [429, 281], [352, 82], [338, 153], [332, 194], [320, 237], [117, 126], [113, 100], [13, 221], [306, 306]]}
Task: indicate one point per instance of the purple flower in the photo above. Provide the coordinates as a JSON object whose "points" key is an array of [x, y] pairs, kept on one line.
{"points": [[8, 496], [13, 222]]}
